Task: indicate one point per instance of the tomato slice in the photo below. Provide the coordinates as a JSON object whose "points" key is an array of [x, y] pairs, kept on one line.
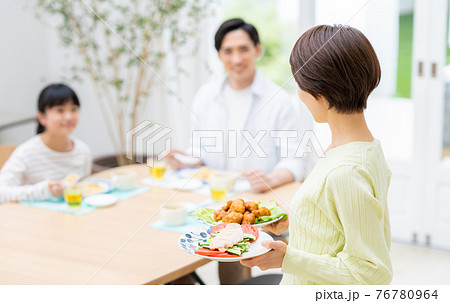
{"points": [[250, 230], [217, 228], [214, 253]]}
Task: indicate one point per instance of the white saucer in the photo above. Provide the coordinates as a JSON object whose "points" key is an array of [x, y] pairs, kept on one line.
{"points": [[186, 159], [101, 200], [187, 184]]}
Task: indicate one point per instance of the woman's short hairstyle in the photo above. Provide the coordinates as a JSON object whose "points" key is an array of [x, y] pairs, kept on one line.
{"points": [[232, 25], [338, 63]]}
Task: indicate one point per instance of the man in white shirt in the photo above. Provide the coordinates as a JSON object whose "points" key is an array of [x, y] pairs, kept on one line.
{"points": [[259, 125], [252, 113]]}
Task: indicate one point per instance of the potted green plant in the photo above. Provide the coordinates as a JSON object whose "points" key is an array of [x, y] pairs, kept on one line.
{"points": [[123, 44]]}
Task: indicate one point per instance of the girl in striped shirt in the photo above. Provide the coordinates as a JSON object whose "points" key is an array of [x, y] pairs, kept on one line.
{"points": [[36, 168]]}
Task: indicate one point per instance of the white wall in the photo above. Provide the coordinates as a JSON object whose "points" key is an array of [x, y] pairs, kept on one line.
{"points": [[34, 57], [24, 64], [378, 20]]}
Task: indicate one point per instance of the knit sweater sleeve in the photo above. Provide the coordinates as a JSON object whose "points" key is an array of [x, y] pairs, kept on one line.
{"points": [[12, 186], [364, 258]]}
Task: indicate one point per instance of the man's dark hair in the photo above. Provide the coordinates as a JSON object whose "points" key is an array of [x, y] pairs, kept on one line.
{"points": [[338, 63], [235, 24]]}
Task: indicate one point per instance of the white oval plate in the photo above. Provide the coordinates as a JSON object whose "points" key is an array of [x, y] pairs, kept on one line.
{"points": [[101, 200], [259, 225], [218, 206], [188, 172], [104, 184], [187, 184], [189, 243], [186, 159]]}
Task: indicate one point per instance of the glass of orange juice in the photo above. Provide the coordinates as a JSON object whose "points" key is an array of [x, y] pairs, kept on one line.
{"points": [[73, 196], [158, 169], [218, 185]]}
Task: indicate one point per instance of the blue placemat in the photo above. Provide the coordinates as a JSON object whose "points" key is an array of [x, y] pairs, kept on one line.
{"points": [[58, 204], [125, 194]]}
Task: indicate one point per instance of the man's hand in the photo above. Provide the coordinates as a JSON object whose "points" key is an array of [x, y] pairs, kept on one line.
{"points": [[175, 163], [56, 188], [258, 180], [272, 259], [261, 182]]}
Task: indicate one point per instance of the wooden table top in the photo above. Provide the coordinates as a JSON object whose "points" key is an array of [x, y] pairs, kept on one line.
{"points": [[45, 247]]}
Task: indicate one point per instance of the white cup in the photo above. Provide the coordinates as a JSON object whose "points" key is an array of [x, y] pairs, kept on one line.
{"points": [[174, 214], [124, 180], [228, 178]]}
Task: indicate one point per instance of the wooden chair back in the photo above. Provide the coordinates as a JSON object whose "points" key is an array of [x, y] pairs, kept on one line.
{"points": [[5, 152]]}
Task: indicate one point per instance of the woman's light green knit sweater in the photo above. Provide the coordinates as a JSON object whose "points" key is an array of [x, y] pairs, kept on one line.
{"points": [[339, 221]]}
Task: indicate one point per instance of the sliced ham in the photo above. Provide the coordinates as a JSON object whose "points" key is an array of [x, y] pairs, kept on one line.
{"points": [[227, 237]]}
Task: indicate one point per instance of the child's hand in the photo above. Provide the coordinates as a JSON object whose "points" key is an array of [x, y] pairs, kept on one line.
{"points": [[56, 188]]}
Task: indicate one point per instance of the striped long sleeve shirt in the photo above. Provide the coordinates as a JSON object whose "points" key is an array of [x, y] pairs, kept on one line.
{"points": [[339, 221], [26, 174]]}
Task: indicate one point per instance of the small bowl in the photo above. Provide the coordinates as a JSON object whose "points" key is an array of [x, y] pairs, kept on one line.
{"points": [[174, 214], [124, 180]]}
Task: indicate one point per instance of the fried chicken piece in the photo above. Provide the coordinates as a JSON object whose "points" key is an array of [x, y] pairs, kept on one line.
{"points": [[237, 206], [249, 218], [219, 214], [262, 211], [226, 207], [251, 206], [233, 217]]}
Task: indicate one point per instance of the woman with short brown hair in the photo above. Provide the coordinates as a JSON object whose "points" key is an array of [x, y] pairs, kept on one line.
{"points": [[338, 220]]}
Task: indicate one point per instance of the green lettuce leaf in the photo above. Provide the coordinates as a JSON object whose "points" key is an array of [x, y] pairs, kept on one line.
{"points": [[205, 214], [275, 212]]}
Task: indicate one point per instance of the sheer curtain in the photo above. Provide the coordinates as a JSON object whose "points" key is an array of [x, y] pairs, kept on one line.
{"points": [[185, 72]]}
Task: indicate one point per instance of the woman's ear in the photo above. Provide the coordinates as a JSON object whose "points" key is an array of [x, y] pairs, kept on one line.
{"points": [[41, 118], [322, 101]]}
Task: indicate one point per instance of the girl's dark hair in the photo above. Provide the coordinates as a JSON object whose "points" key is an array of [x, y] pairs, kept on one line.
{"points": [[338, 63], [235, 24], [54, 95]]}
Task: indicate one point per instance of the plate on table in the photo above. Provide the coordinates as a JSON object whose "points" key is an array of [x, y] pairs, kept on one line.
{"points": [[189, 243], [186, 159], [187, 184], [101, 200], [95, 187], [202, 173]]}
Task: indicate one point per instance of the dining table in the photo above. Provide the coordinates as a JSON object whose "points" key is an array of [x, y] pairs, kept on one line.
{"points": [[110, 245]]}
